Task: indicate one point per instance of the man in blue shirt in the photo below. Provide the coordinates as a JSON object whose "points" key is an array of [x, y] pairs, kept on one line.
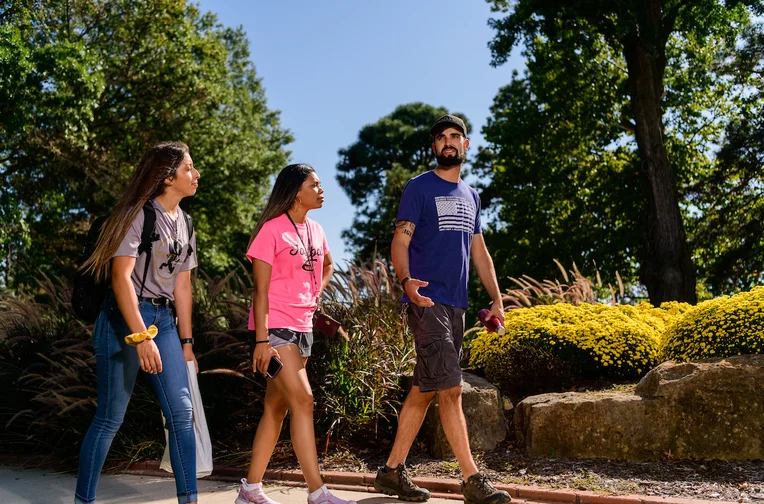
{"points": [[438, 229]]}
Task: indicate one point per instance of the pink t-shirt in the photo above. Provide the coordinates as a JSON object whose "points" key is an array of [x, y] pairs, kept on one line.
{"points": [[292, 294]]}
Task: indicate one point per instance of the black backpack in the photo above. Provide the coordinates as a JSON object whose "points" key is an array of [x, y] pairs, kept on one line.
{"points": [[88, 295]]}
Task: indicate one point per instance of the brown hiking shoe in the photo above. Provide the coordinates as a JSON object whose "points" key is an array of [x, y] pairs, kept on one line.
{"points": [[478, 490], [397, 482]]}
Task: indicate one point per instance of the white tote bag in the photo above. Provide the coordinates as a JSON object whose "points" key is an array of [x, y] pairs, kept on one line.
{"points": [[203, 444]]}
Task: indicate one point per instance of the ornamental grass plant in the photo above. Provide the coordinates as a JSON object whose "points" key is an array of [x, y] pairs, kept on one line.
{"points": [[48, 383], [575, 289], [357, 382]]}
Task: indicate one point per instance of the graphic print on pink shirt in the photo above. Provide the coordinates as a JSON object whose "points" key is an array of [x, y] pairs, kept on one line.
{"points": [[292, 294]]}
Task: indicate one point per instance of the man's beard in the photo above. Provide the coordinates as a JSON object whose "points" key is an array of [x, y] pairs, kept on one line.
{"points": [[451, 160]]}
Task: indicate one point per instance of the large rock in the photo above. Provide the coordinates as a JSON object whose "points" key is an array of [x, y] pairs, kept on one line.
{"points": [[708, 410], [484, 412]]}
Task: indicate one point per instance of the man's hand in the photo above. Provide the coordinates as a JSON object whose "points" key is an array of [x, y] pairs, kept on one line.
{"points": [[412, 289], [497, 309]]}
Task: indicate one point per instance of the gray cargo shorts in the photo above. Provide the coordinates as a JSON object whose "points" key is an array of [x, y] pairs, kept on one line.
{"points": [[438, 332]]}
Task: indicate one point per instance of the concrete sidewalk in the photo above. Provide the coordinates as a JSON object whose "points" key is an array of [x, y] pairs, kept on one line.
{"points": [[37, 486]]}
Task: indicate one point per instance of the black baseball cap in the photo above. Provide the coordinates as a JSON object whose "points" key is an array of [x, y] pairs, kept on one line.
{"points": [[448, 121]]}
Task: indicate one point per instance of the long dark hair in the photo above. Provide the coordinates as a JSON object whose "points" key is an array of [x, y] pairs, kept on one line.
{"points": [[159, 163], [288, 184]]}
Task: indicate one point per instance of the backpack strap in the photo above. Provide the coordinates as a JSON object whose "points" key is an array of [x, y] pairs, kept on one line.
{"points": [[190, 228], [148, 237]]}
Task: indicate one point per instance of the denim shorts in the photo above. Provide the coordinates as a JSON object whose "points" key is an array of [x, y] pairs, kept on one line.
{"points": [[280, 336], [438, 332]]}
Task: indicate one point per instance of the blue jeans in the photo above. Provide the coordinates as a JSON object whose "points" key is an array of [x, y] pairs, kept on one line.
{"points": [[117, 367]]}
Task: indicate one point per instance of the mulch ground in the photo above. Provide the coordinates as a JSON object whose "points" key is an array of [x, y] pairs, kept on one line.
{"points": [[741, 481]]}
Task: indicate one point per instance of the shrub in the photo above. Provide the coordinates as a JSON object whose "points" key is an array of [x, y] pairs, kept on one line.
{"points": [[523, 370], [231, 391], [615, 342], [48, 384], [356, 383], [720, 327]]}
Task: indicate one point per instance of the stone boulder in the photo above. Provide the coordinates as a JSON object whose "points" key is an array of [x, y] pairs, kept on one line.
{"points": [[484, 412], [705, 410]]}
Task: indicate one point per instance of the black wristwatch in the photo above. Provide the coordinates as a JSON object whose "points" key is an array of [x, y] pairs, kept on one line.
{"points": [[187, 341], [403, 282]]}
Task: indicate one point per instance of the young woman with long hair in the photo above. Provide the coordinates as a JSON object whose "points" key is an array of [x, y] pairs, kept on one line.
{"points": [[292, 265], [136, 329]]}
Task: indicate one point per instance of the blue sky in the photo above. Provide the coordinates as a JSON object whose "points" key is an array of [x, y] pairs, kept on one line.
{"points": [[333, 66]]}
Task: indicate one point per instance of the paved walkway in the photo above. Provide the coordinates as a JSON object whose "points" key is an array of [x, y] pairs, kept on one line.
{"points": [[37, 486]]}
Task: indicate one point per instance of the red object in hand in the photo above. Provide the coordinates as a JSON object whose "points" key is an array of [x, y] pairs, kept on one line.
{"points": [[491, 322]]}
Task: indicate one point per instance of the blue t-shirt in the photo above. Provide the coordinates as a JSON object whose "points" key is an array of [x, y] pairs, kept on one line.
{"points": [[446, 216]]}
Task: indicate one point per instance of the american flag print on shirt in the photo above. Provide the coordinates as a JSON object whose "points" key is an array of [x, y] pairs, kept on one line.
{"points": [[455, 214]]}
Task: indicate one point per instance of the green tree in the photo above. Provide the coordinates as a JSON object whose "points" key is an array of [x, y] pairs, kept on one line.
{"points": [[86, 87], [729, 234], [636, 50], [555, 151], [374, 170]]}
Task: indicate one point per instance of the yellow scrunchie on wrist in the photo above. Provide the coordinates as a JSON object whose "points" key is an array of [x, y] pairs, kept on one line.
{"points": [[137, 337]]}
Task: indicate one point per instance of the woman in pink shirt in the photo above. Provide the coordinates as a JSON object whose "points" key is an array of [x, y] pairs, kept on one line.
{"points": [[292, 265]]}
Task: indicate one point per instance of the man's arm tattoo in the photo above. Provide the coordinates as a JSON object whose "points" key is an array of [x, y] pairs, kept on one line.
{"points": [[406, 227]]}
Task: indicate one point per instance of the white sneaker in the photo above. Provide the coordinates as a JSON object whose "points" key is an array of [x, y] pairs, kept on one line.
{"points": [[256, 496], [327, 497]]}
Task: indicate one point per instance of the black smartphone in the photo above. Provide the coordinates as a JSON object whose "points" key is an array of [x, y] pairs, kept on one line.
{"points": [[274, 366]]}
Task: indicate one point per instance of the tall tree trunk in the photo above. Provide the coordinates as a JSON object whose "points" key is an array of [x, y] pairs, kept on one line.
{"points": [[666, 266]]}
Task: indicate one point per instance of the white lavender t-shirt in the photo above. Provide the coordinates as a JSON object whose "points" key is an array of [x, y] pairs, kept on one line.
{"points": [[169, 254]]}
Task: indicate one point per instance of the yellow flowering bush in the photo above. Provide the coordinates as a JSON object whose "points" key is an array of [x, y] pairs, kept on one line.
{"points": [[617, 342], [720, 327], [662, 316]]}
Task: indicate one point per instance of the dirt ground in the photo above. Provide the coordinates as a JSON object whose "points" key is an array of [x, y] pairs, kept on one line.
{"points": [[741, 481]]}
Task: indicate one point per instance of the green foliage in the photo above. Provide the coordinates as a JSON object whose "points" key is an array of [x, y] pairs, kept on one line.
{"points": [[728, 234], [564, 163], [357, 383], [86, 87], [48, 383], [615, 342], [555, 147], [521, 370], [374, 170], [47, 368], [721, 327]]}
